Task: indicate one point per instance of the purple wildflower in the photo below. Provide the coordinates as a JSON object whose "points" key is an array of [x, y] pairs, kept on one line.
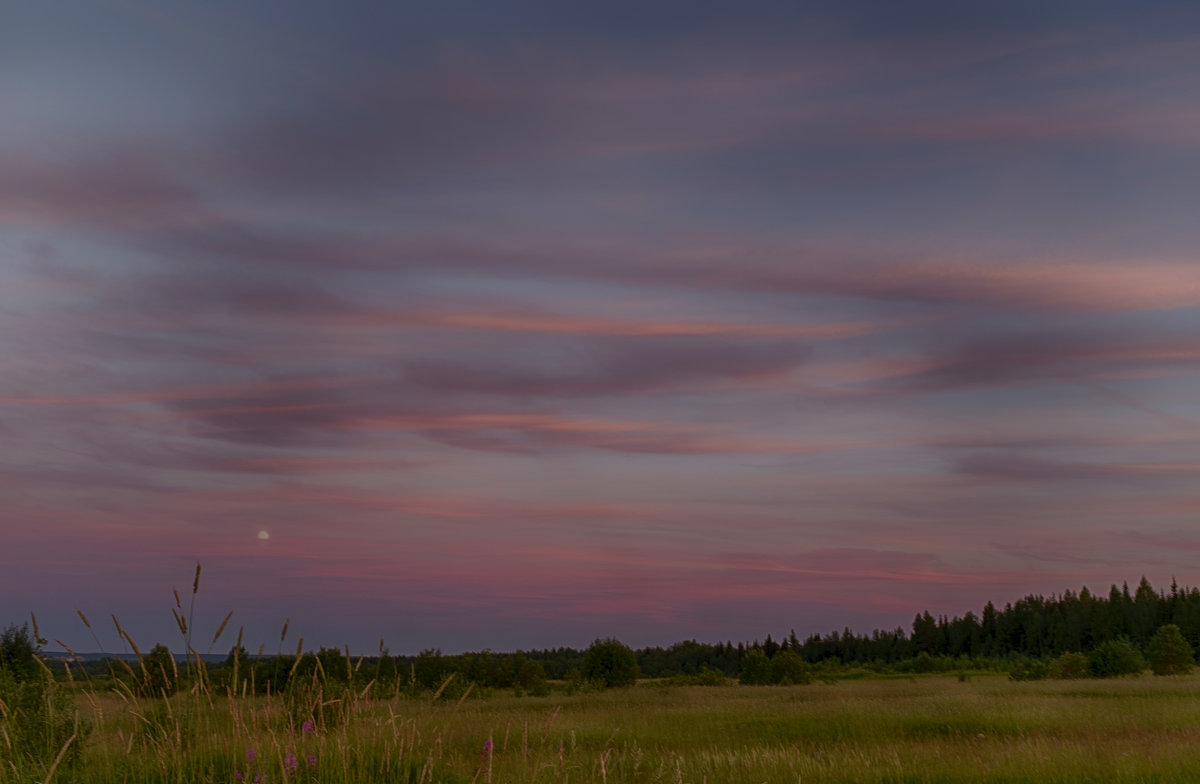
{"points": [[291, 764], [237, 775], [487, 748], [259, 778], [312, 760], [308, 727], [250, 755]]}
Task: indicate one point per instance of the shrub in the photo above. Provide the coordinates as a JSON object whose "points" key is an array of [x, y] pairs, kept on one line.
{"points": [[161, 673], [430, 669], [1069, 666], [1025, 669], [756, 668], [1169, 653], [788, 668], [529, 676], [1114, 658], [924, 663], [18, 653], [574, 681], [707, 676], [609, 663]]}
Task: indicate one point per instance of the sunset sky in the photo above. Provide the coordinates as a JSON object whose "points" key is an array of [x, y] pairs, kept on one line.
{"points": [[516, 324]]}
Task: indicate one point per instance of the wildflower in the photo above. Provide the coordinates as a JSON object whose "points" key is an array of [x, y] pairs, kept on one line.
{"points": [[250, 755], [487, 748], [237, 774], [312, 760], [308, 727], [291, 764], [259, 778]]}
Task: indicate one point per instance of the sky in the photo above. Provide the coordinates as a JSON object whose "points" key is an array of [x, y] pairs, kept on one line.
{"points": [[517, 324]]}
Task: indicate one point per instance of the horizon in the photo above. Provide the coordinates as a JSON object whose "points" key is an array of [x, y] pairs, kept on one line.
{"points": [[282, 648], [522, 324]]}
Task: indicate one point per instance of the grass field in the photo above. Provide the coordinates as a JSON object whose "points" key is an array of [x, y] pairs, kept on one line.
{"points": [[925, 729]]}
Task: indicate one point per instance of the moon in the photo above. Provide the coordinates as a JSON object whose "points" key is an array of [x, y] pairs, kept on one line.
{"points": [[263, 536]]}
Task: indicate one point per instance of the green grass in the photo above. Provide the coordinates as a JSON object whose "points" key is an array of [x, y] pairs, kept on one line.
{"points": [[926, 729]]}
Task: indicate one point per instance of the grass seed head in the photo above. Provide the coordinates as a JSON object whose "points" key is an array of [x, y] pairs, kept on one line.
{"points": [[37, 635], [221, 628]]}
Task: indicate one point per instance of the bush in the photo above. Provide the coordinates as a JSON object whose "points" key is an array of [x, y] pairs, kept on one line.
{"points": [[1169, 653], [707, 676], [924, 663], [610, 663], [788, 668], [529, 676], [430, 669], [18, 653], [756, 669], [161, 673], [1026, 669], [574, 681], [1069, 666], [1114, 658]]}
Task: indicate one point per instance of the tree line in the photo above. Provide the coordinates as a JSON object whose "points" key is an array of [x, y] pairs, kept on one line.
{"points": [[1112, 633], [1115, 630], [1034, 626]]}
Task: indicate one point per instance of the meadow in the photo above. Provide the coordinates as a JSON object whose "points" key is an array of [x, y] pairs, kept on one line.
{"points": [[929, 728]]}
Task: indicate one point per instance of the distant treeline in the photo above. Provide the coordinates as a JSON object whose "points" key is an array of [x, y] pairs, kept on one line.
{"points": [[1034, 628]]}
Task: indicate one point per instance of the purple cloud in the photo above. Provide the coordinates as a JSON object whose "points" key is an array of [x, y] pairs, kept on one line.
{"points": [[622, 367]]}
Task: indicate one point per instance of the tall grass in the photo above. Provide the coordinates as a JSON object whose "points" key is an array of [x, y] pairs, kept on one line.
{"points": [[931, 729], [213, 727]]}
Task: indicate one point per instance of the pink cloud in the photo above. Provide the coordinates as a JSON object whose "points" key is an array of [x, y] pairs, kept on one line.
{"points": [[557, 324], [1016, 281], [520, 432], [118, 189], [1025, 358], [1024, 468]]}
